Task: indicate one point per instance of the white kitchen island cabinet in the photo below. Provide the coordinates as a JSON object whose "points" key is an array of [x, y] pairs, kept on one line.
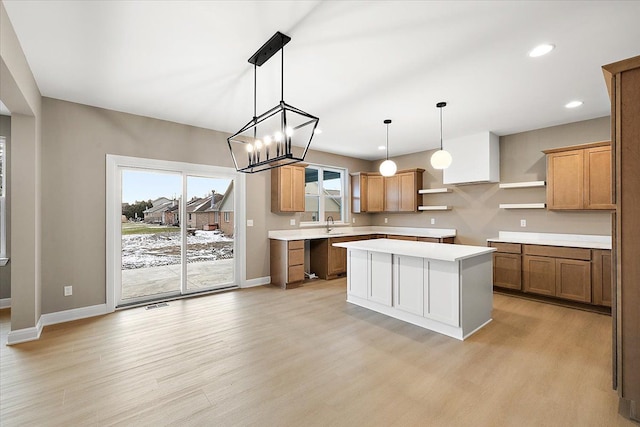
{"points": [[444, 288]]}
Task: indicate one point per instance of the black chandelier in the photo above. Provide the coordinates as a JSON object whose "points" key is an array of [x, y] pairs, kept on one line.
{"points": [[278, 137]]}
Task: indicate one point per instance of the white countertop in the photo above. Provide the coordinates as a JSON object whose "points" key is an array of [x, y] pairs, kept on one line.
{"points": [[589, 241], [435, 251], [321, 233]]}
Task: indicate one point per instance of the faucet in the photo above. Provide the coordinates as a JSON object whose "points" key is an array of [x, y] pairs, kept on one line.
{"points": [[329, 228]]}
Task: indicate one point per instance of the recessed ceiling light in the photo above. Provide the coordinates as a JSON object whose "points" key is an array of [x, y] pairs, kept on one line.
{"points": [[318, 131], [573, 104], [540, 50], [381, 147]]}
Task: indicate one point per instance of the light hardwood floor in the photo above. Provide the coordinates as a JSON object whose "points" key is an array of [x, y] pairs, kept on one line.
{"points": [[264, 356]]}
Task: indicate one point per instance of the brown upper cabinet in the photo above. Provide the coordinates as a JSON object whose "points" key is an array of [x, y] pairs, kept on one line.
{"points": [[287, 188], [371, 192], [579, 177]]}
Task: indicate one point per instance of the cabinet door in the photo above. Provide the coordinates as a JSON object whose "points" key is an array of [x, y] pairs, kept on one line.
{"points": [[507, 270], [601, 278], [565, 179], [337, 259], [297, 189], [287, 189], [408, 192], [375, 193], [380, 278], [358, 277], [409, 283], [442, 292], [573, 279], [392, 193], [539, 275], [597, 178]]}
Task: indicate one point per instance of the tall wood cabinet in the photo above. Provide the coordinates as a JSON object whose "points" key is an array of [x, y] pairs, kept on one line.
{"points": [[623, 83], [287, 188], [579, 177]]}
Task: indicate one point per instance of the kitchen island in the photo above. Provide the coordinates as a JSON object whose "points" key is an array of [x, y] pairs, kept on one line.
{"points": [[441, 287]]}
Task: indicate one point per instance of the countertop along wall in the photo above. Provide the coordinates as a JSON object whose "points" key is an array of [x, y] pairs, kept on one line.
{"points": [[475, 214]]}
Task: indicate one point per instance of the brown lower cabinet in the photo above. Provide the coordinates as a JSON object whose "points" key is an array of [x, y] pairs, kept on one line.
{"points": [[287, 263], [328, 261], [576, 274]]}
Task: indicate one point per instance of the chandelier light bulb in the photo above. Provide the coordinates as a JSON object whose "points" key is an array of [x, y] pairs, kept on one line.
{"points": [[249, 148], [289, 131], [388, 168], [278, 136], [267, 140], [258, 144]]}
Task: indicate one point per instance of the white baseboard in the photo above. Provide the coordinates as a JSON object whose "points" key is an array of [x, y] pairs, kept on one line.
{"points": [[259, 281], [23, 335], [5, 303], [33, 333], [73, 314]]}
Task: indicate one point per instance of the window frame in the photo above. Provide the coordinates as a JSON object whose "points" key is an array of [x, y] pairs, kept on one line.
{"points": [[344, 174], [227, 216]]}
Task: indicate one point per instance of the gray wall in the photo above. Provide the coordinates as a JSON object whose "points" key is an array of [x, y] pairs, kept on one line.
{"points": [[76, 140], [5, 271], [475, 212]]}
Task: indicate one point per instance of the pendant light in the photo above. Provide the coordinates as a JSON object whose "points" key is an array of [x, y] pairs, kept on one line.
{"points": [[388, 167], [441, 159], [281, 135]]}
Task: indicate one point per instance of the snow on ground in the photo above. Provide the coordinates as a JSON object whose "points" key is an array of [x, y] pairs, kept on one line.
{"points": [[151, 250]]}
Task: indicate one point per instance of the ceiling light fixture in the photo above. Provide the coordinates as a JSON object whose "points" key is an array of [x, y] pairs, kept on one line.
{"points": [[441, 159], [573, 104], [281, 135], [388, 167], [541, 50]]}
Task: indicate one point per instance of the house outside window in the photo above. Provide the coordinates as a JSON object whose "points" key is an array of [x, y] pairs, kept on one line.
{"points": [[325, 189], [3, 194]]}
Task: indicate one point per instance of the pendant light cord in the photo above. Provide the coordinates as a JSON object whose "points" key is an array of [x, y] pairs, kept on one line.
{"points": [[282, 74], [440, 128], [387, 141]]}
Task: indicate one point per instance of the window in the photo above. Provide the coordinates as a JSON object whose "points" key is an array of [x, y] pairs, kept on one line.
{"points": [[324, 189], [216, 217], [227, 216], [3, 193]]}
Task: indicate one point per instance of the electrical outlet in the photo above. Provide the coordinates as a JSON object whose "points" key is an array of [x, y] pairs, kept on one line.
{"points": [[523, 223], [249, 223], [433, 221], [386, 220], [353, 219], [292, 221], [68, 291]]}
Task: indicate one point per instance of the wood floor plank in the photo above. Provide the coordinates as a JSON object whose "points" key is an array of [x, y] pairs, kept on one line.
{"points": [[263, 356]]}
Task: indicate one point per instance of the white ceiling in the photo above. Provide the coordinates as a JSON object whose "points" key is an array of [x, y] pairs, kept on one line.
{"points": [[351, 63]]}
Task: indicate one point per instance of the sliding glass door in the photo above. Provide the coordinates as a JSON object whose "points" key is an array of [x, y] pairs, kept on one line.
{"points": [[175, 232]]}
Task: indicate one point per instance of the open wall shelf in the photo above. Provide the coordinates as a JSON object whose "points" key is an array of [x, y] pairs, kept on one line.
{"points": [[527, 184], [523, 205], [434, 190], [434, 208]]}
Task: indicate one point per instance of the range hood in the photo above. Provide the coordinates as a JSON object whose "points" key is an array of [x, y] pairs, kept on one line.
{"points": [[476, 159]]}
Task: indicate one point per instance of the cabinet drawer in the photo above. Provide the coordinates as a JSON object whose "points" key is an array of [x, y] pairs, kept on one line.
{"points": [[558, 252], [510, 248], [296, 256], [296, 244], [296, 273]]}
